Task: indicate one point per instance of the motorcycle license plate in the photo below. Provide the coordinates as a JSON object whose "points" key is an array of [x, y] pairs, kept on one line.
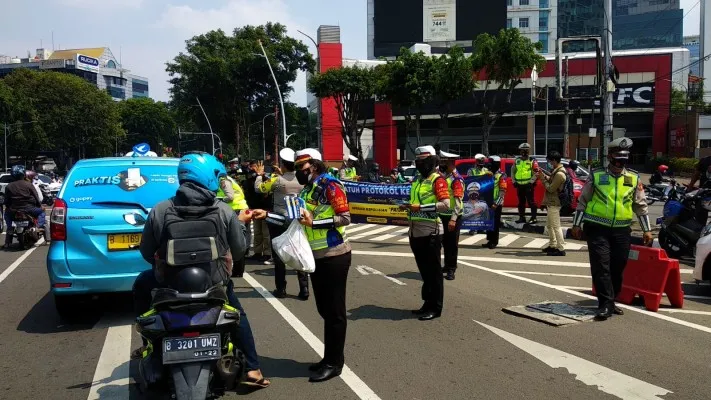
{"points": [[118, 242], [21, 224], [200, 348]]}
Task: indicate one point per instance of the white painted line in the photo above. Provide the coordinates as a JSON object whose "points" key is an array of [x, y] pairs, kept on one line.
{"points": [[111, 378], [537, 244], [373, 232], [351, 379], [546, 274], [521, 260], [508, 239], [692, 297], [390, 235], [679, 311], [472, 240], [406, 239], [677, 321], [16, 264], [573, 246], [376, 272], [362, 270], [357, 228], [605, 379], [576, 287]]}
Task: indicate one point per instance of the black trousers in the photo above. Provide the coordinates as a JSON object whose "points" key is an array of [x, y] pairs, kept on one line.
{"points": [[609, 250], [525, 194], [280, 268], [493, 235], [329, 286], [450, 243], [427, 250]]}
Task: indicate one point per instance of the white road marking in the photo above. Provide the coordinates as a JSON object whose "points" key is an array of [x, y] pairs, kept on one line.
{"points": [[472, 240], [16, 264], [111, 378], [677, 321], [406, 239], [605, 379], [693, 297], [376, 272], [508, 239], [390, 235], [349, 377], [679, 311], [536, 244], [573, 246], [373, 232], [351, 229], [362, 270], [576, 287], [546, 274]]}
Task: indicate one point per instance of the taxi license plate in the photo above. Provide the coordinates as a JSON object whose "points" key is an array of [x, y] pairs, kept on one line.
{"points": [[123, 241], [177, 350]]}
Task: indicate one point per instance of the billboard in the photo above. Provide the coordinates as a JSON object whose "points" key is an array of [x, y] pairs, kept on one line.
{"points": [[52, 64], [440, 20], [86, 63]]}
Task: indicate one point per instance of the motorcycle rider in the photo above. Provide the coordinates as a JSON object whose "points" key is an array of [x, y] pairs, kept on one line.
{"points": [[32, 177], [660, 175], [199, 176], [374, 173], [21, 195]]}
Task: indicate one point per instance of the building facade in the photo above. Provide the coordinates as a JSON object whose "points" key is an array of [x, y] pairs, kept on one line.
{"points": [[693, 44], [536, 19], [96, 65]]}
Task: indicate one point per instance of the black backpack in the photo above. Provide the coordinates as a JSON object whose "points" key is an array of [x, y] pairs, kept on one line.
{"points": [[194, 236], [566, 194]]}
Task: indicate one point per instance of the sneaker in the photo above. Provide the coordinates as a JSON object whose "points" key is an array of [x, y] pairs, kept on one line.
{"points": [[270, 261], [557, 253], [548, 249], [533, 221]]}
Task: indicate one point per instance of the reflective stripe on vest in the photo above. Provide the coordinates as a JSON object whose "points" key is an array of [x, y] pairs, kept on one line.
{"points": [[611, 203], [497, 181], [422, 192], [477, 171], [450, 181], [524, 171], [351, 173], [238, 202], [320, 208]]}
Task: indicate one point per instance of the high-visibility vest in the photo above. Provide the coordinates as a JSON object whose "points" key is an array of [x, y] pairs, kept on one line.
{"points": [[422, 192], [524, 171], [351, 173], [477, 171], [238, 201], [450, 180], [611, 203], [497, 182], [320, 208]]}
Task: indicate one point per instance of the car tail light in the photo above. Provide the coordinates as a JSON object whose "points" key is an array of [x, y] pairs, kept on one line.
{"points": [[57, 220]]}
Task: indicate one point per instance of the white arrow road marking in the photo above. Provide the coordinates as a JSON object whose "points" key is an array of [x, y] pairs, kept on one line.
{"points": [[607, 380], [361, 269]]}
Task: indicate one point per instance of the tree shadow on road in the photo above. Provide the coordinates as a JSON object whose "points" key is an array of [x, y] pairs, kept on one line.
{"points": [[376, 312]]}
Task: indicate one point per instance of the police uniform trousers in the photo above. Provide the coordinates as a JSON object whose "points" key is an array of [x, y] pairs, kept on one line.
{"points": [[329, 287], [609, 250], [450, 243], [525, 194], [492, 236], [427, 250], [280, 268]]}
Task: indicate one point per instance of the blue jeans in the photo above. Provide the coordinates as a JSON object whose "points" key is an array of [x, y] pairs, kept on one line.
{"points": [[146, 282]]}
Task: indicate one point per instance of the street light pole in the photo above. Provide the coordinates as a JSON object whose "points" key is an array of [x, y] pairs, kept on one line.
{"points": [[264, 138], [281, 100], [318, 101], [209, 126]]}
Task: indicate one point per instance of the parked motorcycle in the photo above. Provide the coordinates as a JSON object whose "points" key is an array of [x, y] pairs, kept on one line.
{"points": [[191, 352], [680, 230], [26, 229]]}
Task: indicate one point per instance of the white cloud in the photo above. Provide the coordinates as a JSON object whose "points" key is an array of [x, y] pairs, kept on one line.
{"points": [[102, 4]]}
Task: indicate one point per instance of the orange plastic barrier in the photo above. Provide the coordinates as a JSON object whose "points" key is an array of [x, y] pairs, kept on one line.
{"points": [[650, 274]]}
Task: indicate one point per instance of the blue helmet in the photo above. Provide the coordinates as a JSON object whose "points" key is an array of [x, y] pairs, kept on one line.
{"points": [[18, 172], [201, 168]]}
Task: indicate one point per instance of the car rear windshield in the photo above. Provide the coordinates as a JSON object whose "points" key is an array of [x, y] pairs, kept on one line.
{"points": [[143, 185]]}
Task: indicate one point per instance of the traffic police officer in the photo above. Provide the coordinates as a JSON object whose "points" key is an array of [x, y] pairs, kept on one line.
{"points": [[428, 196], [348, 172], [452, 218], [500, 186], [606, 205], [231, 193], [524, 181], [282, 184], [479, 167]]}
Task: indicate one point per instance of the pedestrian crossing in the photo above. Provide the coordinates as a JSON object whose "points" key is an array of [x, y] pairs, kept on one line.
{"points": [[374, 233]]}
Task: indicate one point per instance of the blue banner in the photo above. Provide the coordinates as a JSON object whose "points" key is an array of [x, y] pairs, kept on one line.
{"points": [[379, 203]]}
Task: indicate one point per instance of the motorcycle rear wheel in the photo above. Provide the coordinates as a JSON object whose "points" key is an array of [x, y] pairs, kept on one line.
{"points": [[672, 249]]}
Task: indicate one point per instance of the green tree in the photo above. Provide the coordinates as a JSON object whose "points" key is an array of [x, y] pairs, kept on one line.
{"points": [[231, 80], [408, 83], [453, 79], [678, 102], [149, 121], [348, 87], [504, 58]]}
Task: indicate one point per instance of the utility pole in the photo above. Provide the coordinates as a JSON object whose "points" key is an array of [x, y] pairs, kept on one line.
{"points": [[276, 131], [4, 130], [566, 121], [546, 128], [607, 124], [534, 97]]}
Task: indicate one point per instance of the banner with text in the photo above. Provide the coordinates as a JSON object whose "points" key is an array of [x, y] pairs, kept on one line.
{"points": [[379, 203]]}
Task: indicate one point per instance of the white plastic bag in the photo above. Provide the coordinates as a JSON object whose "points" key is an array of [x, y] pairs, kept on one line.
{"points": [[294, 250]]}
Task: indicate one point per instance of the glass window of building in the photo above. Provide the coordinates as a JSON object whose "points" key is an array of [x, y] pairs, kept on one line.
{"points": [[523, 22], [111, 64], [543, 4], [543, 20], [543, 38], [509, 2], [523, 2], [509, 23]]}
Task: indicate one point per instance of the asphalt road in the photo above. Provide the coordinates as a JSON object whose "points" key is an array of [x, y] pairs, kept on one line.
{"points": [[475, 351]]}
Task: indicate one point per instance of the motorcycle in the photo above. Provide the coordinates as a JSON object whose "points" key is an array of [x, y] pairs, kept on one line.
{"points": [[191, 352], [47, 195], [26, 229], [680, 230]]}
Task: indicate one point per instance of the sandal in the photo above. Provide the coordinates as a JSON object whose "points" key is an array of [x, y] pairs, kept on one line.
{"points": [[258, 383], [138, 353]]}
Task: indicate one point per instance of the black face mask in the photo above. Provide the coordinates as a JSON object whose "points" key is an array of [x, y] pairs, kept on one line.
{"points": [[524, 154], [618, 162], [425, 167], [444, 168], [302, 176]]}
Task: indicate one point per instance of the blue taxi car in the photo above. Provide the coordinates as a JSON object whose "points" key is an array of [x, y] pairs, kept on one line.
{"points": [[97, 222]]}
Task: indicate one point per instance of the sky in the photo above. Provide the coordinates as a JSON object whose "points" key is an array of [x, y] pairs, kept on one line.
{"points": [[148, 33]]}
